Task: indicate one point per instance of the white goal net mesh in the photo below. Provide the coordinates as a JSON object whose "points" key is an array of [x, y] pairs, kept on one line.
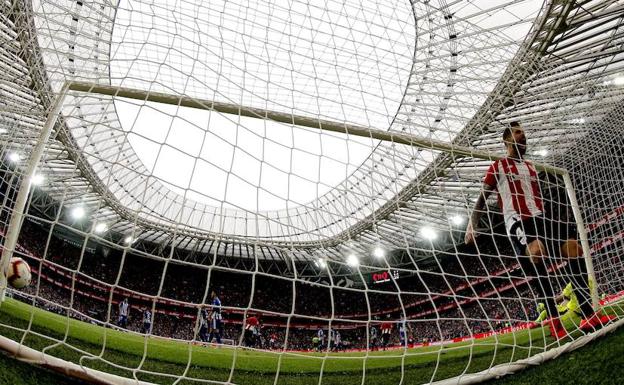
{"points": [[279, 192]]}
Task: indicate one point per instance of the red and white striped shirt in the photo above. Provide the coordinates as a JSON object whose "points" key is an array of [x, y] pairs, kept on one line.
{"points": [[518, 189], [251, 324], [386, 327]]}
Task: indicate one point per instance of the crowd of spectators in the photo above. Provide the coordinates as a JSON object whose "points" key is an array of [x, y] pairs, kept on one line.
{"points": [[441, 302], [459, 294], [480, 317]]}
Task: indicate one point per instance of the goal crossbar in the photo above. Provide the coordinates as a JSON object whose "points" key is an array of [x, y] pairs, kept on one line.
{"points": [[258, 113], [297, 120]]}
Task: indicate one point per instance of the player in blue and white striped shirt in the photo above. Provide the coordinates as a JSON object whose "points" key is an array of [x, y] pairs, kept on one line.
{"points": [[403, 329], [147, 321], [215, 318], [124, 310], [320, 334], [203, 325]]}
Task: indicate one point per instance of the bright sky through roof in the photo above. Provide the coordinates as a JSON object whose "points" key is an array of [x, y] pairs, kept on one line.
{"points": [[250, 163], [348, 64], [377, 64]]}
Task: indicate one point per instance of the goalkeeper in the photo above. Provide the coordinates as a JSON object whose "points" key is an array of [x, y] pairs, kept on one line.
{"points": [[569, 307], [521, 202], [543, 314]]}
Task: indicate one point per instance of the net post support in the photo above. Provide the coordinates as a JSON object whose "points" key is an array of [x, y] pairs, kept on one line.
{"points": [[17, 214], [582, 231]]}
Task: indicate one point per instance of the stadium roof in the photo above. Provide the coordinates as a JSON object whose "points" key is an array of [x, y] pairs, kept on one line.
{"points": [[455, 72]]}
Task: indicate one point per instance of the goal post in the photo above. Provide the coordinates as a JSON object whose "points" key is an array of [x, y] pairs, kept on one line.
{"points": [[294, 120], [453, 150], [17, 211], [582, 231], [431, 318]]}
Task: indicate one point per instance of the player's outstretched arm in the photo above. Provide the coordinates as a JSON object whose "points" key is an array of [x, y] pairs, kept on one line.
{"points": [[477, 211]]}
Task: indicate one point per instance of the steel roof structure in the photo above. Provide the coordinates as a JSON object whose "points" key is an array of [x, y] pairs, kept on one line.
{"points": [[466, 78]]}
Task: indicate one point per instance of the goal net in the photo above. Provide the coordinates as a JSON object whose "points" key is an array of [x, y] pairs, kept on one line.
{"points": [[267, 193]]}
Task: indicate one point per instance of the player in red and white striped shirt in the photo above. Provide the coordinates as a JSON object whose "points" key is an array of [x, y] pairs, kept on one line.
{"points": [[516, 181], [252, 330], [386, 329]]}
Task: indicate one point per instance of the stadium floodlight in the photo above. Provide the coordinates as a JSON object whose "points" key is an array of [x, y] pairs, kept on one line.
{"points": [[37, 179], [379, 252], [128, 240], [14, 157], [352, 260], [457, 220], [321, 263], [100, 228], [616, 81], [428, 233], [78, 212]]}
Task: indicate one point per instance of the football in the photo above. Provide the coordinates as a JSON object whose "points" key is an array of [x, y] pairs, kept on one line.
{"points": [[18, 273]]}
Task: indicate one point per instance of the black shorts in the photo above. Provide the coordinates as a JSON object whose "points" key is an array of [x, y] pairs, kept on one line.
{"points": [[552, 233]]}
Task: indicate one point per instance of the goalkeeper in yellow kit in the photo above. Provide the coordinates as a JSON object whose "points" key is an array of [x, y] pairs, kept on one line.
{"points": [[543, 313], [569, 307]]}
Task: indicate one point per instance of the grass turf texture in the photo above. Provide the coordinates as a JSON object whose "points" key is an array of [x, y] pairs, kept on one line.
{"points": [[596, 363], [162, 361]]}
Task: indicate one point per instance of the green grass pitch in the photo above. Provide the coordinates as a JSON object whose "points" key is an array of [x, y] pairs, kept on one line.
{"points": [[162, 361]]}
